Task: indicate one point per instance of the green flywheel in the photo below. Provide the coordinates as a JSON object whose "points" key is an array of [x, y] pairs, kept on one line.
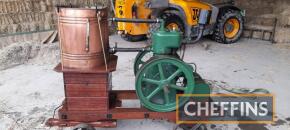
{"points": [[160, 79], [141, 59]]}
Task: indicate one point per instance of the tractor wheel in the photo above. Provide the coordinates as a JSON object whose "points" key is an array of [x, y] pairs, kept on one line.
{"points": [[157, 84], [173, 21], [133, 38], [229, 27]]}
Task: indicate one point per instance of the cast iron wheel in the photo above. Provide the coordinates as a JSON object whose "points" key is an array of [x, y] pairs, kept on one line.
{"points": [[133, 38], [143, 57], [229, 28], [83, 127], [156, 83], [173, 21], [140, 60]]}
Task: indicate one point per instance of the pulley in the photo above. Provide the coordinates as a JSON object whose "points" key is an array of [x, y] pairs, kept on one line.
{"points": [[160, 79]]}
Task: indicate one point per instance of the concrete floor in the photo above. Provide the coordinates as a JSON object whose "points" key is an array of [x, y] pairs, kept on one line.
{"points": [[30, 92]]}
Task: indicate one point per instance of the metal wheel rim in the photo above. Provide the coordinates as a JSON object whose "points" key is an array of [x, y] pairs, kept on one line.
{"points": [[139, 61], [162, 83], [173, 26], [231, 27]]}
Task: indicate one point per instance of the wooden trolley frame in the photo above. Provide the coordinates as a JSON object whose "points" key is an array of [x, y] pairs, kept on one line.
{"points": [[100, 113]]}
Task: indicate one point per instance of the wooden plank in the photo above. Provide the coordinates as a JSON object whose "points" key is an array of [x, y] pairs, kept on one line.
{"points": [[69, 123], [87, 103], [82, 116], [124, 94], [81, 78], [86, 90], [141, 113]]}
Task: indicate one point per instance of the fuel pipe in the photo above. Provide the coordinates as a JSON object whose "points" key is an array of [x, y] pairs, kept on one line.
{"points": [[161, 21], [115, 49], [135, 20]]}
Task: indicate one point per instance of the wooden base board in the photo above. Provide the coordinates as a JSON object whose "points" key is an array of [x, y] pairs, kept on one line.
{"points": [[108, 118]]}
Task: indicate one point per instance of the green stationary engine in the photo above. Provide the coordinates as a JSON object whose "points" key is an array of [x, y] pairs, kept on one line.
{"points": [[164, 42], [163, 75]]}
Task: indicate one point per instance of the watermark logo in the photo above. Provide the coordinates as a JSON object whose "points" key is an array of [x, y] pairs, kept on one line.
{"points": [[225, 108]]}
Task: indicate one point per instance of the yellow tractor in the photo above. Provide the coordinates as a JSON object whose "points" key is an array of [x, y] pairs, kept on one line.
{"points": [[224, 21]]}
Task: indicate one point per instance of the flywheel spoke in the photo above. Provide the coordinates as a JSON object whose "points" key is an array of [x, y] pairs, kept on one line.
{"points": [[151, 81], [166, 96], [152, 94], [161, 72], [174, 75]]}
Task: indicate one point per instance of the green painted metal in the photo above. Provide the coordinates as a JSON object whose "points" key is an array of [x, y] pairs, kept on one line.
{"points": [[164, 41], [157, 83], [201, 87], [162, 75], [141, 59]]}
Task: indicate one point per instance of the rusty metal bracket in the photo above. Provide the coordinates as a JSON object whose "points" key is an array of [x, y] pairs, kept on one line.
{"points": [[109, 116], [146, 115]]}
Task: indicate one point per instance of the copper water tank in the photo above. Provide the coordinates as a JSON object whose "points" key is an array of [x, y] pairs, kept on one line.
{"points": [[80, 39]]}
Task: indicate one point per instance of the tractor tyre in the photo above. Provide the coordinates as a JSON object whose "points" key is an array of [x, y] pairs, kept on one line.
{"points": [[229, 28], [173, 21], [133, 38]]}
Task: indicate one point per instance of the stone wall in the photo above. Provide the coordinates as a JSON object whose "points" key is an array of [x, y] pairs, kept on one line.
{"points": [[282, 10], [257, 7], [260, 11], [17, 16], [33, 15], [26, 16]]}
